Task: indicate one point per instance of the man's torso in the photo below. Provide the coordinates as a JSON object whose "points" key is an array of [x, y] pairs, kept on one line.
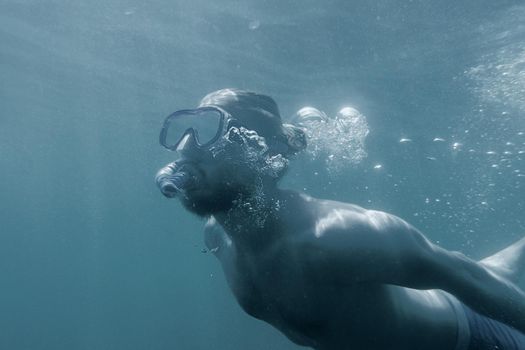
{"points": [[282, 286]]}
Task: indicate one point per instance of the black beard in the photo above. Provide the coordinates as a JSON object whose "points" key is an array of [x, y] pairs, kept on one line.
{"points": [[204, 206]]}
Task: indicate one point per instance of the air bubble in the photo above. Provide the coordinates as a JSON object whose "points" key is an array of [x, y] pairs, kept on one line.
{"points": [[338, 141], [255, 24]]}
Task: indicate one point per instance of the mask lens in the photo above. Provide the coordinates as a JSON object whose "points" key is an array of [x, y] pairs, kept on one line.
{"points": [[204, 122], [206, 125]]}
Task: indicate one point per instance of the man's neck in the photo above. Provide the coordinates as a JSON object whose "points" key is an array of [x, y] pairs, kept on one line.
{"points": [[256, 220]]}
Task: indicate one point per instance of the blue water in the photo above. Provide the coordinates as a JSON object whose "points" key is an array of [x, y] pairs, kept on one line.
{"points": [[93, 257]]}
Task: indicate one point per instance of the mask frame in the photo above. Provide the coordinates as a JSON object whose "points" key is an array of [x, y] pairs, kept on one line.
{"points": [[190, 135]]}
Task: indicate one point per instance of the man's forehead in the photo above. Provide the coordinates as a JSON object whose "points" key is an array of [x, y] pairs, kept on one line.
{"points": [[254, 111], [259, 121]]}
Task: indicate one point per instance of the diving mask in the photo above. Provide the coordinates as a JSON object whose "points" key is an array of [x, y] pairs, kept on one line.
{"points": [[199, 128]]}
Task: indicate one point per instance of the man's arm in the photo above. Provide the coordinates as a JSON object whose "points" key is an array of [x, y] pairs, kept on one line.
{"points": [[477, 286], [376, 247]]}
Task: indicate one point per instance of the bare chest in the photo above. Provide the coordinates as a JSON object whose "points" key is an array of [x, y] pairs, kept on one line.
{"points": [[281, 290]]}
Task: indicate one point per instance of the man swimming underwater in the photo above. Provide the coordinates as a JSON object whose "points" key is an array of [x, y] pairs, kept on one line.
{"points": [[329, 275]]}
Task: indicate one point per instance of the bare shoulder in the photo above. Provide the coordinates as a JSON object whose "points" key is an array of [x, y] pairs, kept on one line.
{"points": [[334, 219], [359, 242], [346, 229]]}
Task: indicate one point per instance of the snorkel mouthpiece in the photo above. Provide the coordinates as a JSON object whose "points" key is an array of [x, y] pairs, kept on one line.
{"points": [[175, 183], [172, 182]]}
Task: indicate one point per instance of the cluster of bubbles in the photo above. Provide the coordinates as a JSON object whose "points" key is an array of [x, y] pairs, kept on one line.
{"points": [[339, 142], [249, 150], [246, 151], [500, 75], [491, 173], [491, 152], [502, 80], [503, 155]]}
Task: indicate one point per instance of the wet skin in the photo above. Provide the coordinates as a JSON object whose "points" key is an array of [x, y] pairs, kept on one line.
{"points": [[333, 275]]}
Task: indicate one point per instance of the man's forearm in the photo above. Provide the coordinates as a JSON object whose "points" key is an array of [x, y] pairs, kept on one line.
{"points": [[488, 293]]}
